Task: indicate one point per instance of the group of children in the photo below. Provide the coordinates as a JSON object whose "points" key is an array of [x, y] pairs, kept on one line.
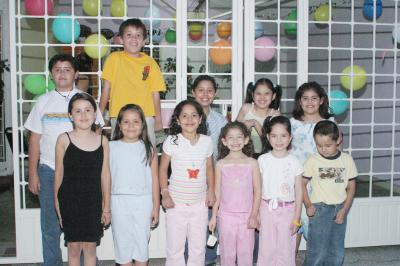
{"points": [[232, 176]]}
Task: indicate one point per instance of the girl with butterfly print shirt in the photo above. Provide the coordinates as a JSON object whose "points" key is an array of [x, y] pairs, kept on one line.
{"points": [[191, 184]]}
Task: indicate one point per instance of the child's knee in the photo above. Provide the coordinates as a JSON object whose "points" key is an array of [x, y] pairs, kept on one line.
{"points": [[74, 249], [89, 248]]}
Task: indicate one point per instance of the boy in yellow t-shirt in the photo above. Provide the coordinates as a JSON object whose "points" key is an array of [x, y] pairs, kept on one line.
{"points": [[332, 174], [131, 76]]}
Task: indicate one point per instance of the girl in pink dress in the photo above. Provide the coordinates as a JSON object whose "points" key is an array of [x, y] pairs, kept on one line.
{"points": [[238, 195]]}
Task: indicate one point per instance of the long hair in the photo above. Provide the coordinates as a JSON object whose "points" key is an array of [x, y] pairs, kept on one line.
{"points": [[175, 128], [276, 89], [84, 97], [223, 151], [267, 128], [144, 136], [298, 112]]}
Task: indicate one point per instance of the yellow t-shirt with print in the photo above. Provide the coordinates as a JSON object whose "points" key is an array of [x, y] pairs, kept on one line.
{"points": [[133, 80], [329, 177]]}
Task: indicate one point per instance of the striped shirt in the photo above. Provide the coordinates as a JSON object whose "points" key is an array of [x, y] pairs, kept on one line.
{"points": [[215, 122], [188, 181]]}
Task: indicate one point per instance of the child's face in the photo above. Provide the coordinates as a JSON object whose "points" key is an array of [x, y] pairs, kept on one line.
{"points": [[133, 40], [83, 114], [310, 102], [131, 126], [189, 119], [326, 146], [279, 137], [263, 96], [235, 140], [64, 75], [204, 93]]}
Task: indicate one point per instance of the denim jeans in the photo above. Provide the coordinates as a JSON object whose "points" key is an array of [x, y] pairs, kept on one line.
{"points": [[325, 244], [51, 231]]}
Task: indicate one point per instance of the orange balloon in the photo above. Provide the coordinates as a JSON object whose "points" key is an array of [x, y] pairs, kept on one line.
{"points": [[224, 30], [220, 55]]}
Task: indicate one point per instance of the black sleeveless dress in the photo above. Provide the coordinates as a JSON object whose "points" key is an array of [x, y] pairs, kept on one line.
{"points": [[80, 194]]}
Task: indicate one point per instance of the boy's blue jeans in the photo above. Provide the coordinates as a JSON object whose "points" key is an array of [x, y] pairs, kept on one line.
{"points": [[51, 231], [325, 243]]}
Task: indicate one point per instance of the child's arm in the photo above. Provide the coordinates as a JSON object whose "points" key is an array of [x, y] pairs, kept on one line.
{"points": [[157, 107], [59, 171], [212, 224], [210, 182], [105, 95], [166, 201], [34, 155], [350, 190], [298, 187], [310, 210], [253, 219], [155, 214], [106, 184]]}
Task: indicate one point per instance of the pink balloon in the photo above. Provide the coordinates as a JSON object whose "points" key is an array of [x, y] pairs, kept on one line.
{"points": [[37, 7], [166, 116], [264, 54]]}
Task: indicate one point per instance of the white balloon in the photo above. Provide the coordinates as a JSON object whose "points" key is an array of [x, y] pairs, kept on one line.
{"points": [[396, 33]]}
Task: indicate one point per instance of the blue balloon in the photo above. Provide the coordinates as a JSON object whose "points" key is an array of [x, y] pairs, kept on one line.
{"points": [[258, 29], [338, 102], [157, 35], [368, 9], [155, 14], [62, 28]]}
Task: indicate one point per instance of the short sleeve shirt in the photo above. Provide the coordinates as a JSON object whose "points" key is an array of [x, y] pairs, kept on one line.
{"points": [[215, 122], [133, 80], [49, 117], [279, 176], [329, 177], [188, 181]]}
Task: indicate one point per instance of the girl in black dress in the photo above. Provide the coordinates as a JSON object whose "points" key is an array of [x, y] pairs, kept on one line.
{"points": [[82, 182]]}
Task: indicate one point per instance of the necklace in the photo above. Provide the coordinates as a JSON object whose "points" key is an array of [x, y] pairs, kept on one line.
{"points": [[66, 97]]}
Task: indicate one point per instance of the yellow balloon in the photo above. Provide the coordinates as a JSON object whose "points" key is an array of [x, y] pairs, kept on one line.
{"points": [[93, 51], [358, 80], [322, 13], [91, 7], [118, 8]]}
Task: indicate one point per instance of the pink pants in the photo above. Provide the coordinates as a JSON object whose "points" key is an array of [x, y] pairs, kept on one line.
{"points": [[186, 221], [277, 244], [236, 241]]}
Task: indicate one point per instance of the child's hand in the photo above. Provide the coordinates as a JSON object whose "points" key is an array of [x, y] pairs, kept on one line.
{"points": [[56, 205], [210, 198], [106, 218], [158, 125], [155, 217], [212, 223], [252, 222], [294, 226], [310, 211], [250, 123], [258, 222], [167, 201], [340, 216]]}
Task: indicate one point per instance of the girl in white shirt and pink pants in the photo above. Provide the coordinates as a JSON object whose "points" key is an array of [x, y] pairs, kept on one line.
{"points": [[191, 184]]}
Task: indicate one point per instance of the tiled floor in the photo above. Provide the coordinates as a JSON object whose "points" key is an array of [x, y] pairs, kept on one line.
{"points": [[371, 256]]}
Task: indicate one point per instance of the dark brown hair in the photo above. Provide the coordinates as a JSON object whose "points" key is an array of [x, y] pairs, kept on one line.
{"points": [[223, 151]]}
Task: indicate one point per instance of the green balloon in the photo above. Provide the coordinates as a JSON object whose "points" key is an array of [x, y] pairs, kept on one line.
{"points": [[170, 35], [35, 84], [291, 27], [51, 85]]}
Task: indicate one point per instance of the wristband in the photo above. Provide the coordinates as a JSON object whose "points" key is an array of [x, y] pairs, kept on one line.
{"points": [[106, 212], [297, 223]]}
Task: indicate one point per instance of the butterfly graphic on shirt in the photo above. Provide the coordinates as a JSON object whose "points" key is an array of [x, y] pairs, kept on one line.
{"points": [[193, 173]]}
